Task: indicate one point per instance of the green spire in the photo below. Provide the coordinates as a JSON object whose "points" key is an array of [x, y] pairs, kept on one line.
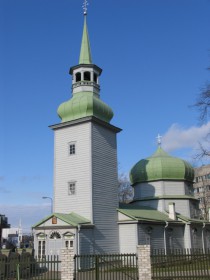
{"points": [[85, 52]]}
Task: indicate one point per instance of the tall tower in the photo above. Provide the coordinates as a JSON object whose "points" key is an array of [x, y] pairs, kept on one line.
{"points": [[85, 153]]}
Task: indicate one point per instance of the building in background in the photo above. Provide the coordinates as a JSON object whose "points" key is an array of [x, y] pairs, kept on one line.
{"points": [[12, 237], [202, 189], [3, 225]]}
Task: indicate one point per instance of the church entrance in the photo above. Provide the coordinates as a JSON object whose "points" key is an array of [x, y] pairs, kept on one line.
{"points": [[55, 243]]}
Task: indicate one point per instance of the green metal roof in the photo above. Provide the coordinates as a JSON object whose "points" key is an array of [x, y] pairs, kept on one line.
{"points": [[161, 166], [143, 213], [190, 220], [71, 219], [84, 104], [140, 213], [85, 52]]}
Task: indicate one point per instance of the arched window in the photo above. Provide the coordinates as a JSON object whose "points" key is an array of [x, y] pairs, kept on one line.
{"points": [[95, 78], [87, 76], [78, 77], [55, 235]]}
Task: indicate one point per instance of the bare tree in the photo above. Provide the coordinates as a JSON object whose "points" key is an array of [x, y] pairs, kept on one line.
{"points": [[125, 191], [203, 103], [203, 106]]}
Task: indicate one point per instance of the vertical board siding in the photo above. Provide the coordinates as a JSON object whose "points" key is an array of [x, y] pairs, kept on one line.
{"points": [[86, 241], [175, 238], [105, 187], [196, 236], [128, 238], [155, 238], [73, 168]]}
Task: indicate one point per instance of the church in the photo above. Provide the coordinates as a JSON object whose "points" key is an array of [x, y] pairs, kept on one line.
{"points": [[86, 213]]}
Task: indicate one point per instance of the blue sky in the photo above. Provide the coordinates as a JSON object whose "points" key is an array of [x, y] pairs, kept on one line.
{"points": [[154, 55]]}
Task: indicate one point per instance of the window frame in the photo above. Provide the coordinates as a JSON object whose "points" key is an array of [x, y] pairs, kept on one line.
{"points": [[72, 183], [72, 148]]}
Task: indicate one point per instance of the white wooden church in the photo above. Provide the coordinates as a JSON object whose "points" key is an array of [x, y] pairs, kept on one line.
{"points": [[86, 212]]}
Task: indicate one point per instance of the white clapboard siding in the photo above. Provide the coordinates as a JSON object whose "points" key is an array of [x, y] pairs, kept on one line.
{"points": [[182, 206], [159, 188], [76, 168], [153, 203], [174, 188], [128, 237], [105, 200]]}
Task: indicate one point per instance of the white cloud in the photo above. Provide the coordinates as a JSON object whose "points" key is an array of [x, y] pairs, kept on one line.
{"points": [[178, 137], [28, 214]]}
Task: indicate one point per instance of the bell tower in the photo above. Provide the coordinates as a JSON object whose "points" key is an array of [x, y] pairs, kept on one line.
{"points": [[85, 153]]}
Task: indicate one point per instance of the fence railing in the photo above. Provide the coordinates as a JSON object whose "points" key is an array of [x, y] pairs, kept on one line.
{"points": [[26, 266], [104, 267], [180, 264]]}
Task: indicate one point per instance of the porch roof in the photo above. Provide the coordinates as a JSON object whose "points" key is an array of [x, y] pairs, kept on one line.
{"points": [[143, 213], [72, 219]]}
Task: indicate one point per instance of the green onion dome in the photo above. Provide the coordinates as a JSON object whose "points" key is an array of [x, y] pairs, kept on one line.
{"points": [[161, 166], [84, 104]]}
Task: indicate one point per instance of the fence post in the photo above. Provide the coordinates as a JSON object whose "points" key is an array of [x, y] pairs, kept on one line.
{"points": [[67, 264], [144, 262]]}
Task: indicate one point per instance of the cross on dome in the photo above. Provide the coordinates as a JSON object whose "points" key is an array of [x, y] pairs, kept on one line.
{"points": [[159, 138], [84, 6]]}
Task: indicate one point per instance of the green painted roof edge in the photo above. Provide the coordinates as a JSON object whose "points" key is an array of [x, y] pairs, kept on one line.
{"points": [[85, 52], [125, 212], [166, 197], [186, 219], [64, 218], [42, 220]]}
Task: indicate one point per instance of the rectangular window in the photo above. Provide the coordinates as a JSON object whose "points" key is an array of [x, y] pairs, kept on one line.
{"points": [[72, 188], [41, 248], [69, 244], [202, 200], [72, 148]]}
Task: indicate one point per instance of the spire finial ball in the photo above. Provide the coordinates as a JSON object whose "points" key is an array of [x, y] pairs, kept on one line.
{"points": [[84, 6]]}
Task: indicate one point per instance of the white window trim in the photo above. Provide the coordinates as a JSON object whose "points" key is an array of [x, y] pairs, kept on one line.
{"points": [[75, 151]]}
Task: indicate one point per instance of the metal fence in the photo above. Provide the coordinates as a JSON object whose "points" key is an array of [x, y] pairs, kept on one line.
{"points": [[106, 267], [180, 264], [25, 266]]}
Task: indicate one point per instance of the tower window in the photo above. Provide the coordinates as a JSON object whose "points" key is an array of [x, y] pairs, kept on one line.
{"points": [[78, 77], [87, 76], [95, 78], [72, 188], [72, 148]]}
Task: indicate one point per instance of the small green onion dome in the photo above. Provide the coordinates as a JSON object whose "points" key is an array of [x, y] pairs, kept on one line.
{"points": [[84, 104], [161, 166]]}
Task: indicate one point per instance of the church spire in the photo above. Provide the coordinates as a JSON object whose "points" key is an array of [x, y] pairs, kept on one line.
{"points": [[85, 52], [85, 101]]}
